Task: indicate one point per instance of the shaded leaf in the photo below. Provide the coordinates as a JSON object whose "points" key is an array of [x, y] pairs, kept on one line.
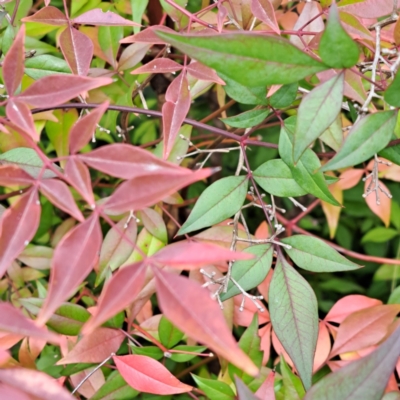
{"points": [[333, 135], [391, 94], [37, 257], [97, 16], [132, 55], [264, 11], [214, 389], [246, 119], [169, 334], [154, 223], [243, 392], [284, 96], [380, 206], [39, 66]]}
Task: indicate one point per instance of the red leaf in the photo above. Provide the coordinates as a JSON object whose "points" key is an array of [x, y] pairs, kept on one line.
{"points": [[13, 64], [204, 73], [84, 128], [266, 390], [148, 35], [191, 255], [35, 383], [323, 346], [18, 226], [77, 172], [127, 196], [364, 328], [11, 175], [221, 15], [174, 110], [148, 375], [117, 294], [13, 321], [157, 66], [368, 8], [348, 305], [98, 17], [265, 346], [20, 115], [77, 49], [94, 348], [59, 194], [189, 306], [264, 11], [128, 162], [8, 392], [48, 15], [56, 89], [73, 259]]}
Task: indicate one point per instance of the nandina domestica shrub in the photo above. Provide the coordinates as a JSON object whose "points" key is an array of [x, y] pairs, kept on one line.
{"points": [[200, 200]]}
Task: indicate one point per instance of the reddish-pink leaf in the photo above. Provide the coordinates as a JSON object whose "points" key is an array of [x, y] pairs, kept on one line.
{"points": [[368, 8], [117, 294], [266, 390], [83, 130], [13, 64], [348, 305], [364, 328], [55, 89], [174, 110], [221, 15], [146, 191], [148, 375], [11, 175], [13, 321], [132, 55], [20, 115], [203, 72], [128, 162], [77, 172], [380, 206], [77, 49], [265, 346], [73, 259], [190, 255], [350, 178], [59, 194], [36, 383], [10, 393], [98, 17], [190, 307], [148, 35], [94, 348], [157, 66], [18, 226], [323, 346], [264, 11], [48, 15]]}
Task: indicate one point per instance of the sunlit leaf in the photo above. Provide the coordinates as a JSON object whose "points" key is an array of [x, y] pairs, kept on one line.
{"points": [[214, 389], [97, 16], [380, 206], [21, 117], [48, 15], [264, 11]]}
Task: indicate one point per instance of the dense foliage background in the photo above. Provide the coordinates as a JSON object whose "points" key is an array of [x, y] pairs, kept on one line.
{"points": [[199, 199]]}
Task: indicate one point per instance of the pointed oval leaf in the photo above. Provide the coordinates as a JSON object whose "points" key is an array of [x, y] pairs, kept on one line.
{"points": [[285, 96], [243, 392], [294, 316], [57, 89], [117, 294], [239, 57], [214, 389], [148, 375], [115, 388], [154, 223], [98, 17], [266, 390], [365, 378], [368, 136], [246, 119], [73, 259], [317, 111], [315, 255], [379, 206], [48, 15], [132, 55], [158, 66], [59, 194], [264, 11], [391, 94], [18, 226], [190, 308], [21, 117], [78, 174], [248, 274], [13, 63], [148, 35], [219, 201], [275, 177], [12, 175], [336, 48], [204, 73]]}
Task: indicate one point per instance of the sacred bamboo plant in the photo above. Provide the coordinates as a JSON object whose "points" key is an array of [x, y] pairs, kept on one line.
{"points": [[132, 243]]}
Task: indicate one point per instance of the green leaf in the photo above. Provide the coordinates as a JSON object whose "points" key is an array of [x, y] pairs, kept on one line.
{"points": [[181, 357], [294, 315], [275, 177], [336, 48], [109, 37], [304, 173], [379, 235], [248, 119], [250, 59], [250, 273], [214, 389], [115, 388], [138, 9], [285, 96], [333, 135], [218, 202], [391, 94], [395, 295], [317, 111], [250, 343], [391, 153], [365, 378], [292, 385], [368, 136], [40, 66], [72, 369], [39, 46], [244, 94], [169, 334], [28, 160], [149, 351], [315, 255]]}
